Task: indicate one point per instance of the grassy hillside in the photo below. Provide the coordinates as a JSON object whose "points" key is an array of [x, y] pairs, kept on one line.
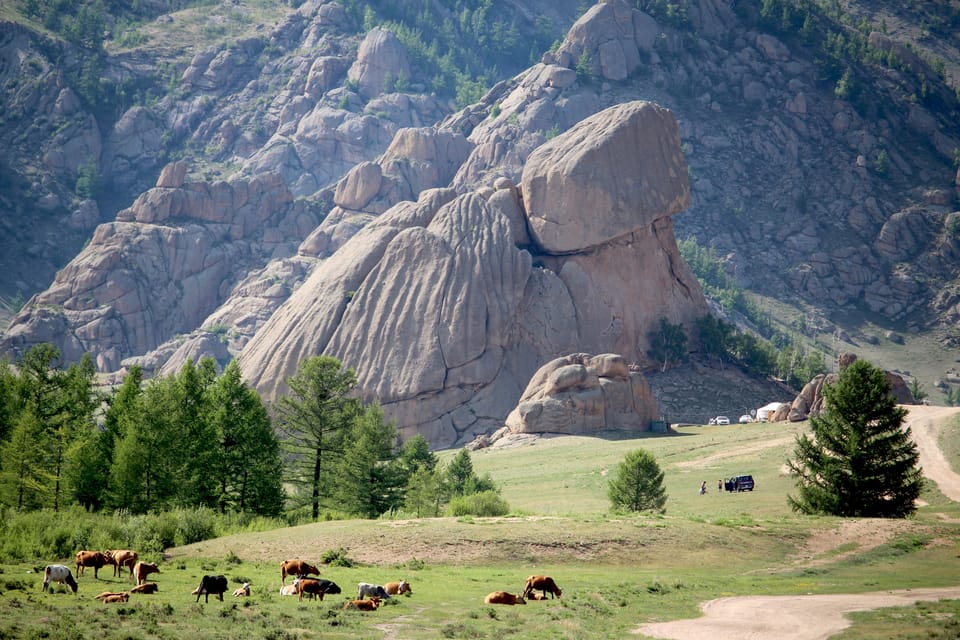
{"points": [[616, 571]]}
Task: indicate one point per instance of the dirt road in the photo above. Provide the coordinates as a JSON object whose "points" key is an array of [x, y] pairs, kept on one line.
{"points": [[816, 617]]}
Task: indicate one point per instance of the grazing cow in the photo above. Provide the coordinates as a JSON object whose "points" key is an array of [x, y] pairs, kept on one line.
{"points": [[215, 585], [365, 590], [296, 568], [502, 597], [317, 588], [142, 569], [95, 559], [243, 591], [363, 605], [58, 573], [145, 588], [122, 558], [398, 588], [117, 597], [544, 584]]}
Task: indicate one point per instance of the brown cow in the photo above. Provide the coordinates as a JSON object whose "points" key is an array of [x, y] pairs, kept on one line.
{"points": [[145, 588], [398, 588], [544, 584], [117, 597], [107, 594], [95, 559], [502, 597], [312, 587], [297, 569], [142, 569], [122, 558], [363, 605], [243, 591]]}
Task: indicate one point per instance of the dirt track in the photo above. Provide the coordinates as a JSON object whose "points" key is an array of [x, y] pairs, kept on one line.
{"points": [[819, 616]]}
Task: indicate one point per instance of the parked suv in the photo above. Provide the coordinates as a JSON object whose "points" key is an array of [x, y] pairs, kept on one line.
{"points": [[741, 483]]}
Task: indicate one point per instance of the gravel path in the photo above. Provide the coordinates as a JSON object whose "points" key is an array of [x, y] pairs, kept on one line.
{"points": [[816, 617]]}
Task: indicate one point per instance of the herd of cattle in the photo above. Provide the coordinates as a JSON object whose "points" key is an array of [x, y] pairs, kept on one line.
{"points": [[369, 596]]}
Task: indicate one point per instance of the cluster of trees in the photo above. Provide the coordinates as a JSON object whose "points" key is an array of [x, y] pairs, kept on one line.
{"points": [[199, 439], [459, 49]]}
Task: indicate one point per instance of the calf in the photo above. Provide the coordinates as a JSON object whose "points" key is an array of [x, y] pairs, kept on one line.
{"points": [[95, 559], [365, 589], [215, 585], [313, 587], [545, 584], [58, 573], [122, 558], [363, 605], [290, 589], [243, 591], [142, 569], [117, 597], [502, 597], [145, 588], [296, 568], [398, 588]]}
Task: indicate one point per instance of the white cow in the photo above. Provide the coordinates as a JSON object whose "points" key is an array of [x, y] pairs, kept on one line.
{"points": [[58, 573], [290, 589], [372, 590]]}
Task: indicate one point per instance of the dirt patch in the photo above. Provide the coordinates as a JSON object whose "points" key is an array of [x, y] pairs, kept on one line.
{"points": [[850, 537]]}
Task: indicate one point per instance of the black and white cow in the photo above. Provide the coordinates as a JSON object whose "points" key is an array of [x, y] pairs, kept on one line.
{"points": [[58, 573]]}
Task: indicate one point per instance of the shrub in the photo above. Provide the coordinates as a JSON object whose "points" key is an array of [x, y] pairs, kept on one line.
{"points": [[336, 558], [484, 503]]}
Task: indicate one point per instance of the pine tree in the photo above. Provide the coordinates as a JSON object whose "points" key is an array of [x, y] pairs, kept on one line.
{"points": [[638, 485], [859, 462]]}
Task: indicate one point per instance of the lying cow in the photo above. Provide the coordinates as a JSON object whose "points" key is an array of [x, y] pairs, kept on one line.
{"points": [[242, 592], [95, 559], [502, 597], [363, 605], [122, 558], [142, 569], [107, 594], [367, 590], [58, 573], [297, 569], [215, 585], [145, 588], [315, 588], [398, 588], [544, 584], [116, 597], [290, 589]]}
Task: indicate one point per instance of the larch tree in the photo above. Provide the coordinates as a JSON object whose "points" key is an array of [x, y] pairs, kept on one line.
{"points": [[858, 461], [312, 418]]}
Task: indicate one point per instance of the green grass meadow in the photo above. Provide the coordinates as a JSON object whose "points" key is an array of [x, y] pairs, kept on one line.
{"points": [[616, 571]]}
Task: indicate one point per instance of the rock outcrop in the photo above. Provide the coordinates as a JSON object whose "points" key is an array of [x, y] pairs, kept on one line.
{"points": [[443, 311], [164, 265], [584, 394], [809, 402]]}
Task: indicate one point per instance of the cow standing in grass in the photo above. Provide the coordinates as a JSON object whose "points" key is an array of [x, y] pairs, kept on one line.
{"points": [[58, 573]]}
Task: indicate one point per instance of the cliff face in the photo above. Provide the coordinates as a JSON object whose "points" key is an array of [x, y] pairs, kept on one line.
{"points": [[314, 193]]}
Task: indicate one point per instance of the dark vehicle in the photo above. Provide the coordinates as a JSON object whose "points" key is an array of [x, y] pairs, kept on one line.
{"points": [[739, 483]]}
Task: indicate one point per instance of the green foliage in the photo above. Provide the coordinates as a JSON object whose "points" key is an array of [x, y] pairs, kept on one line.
{"points": [[484, 504], [881, 163], [668, 343], [336, 558], [313, 418], [859, 462], [584, 67], [638, 484], [87, 185]]}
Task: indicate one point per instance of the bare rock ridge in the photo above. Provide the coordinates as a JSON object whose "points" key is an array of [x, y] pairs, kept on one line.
{"points": [[444, 313], [165, 264]]}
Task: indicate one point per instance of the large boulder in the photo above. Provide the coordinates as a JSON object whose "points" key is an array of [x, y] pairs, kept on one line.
{"points": [[584, 394], [590, 185], [381, 60]]}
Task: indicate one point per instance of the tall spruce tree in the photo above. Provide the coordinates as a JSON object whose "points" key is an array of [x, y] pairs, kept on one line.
{"points": [[638, 485], [860, 461]]}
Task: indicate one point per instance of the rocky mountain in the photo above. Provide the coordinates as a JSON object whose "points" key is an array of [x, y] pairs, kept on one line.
{"points": [[327, 201]]}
